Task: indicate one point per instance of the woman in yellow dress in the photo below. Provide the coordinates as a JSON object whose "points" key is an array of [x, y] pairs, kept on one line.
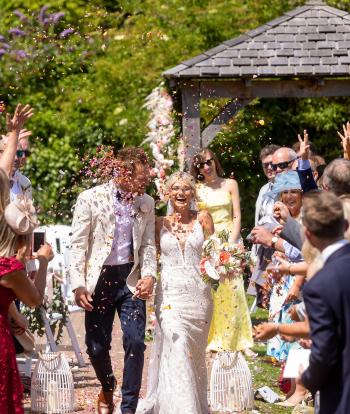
{"points": [[231, 327]]}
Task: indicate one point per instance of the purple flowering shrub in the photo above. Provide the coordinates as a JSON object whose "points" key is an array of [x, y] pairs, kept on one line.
{"points": [[45, 54], [41, 46]]}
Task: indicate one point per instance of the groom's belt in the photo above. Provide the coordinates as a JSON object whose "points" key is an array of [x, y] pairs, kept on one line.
{"points": [[117, 271], [130, 264]]}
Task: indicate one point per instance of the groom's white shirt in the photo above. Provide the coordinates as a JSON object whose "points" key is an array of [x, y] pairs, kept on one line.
{"points": [[93, 231], [124, 221]]}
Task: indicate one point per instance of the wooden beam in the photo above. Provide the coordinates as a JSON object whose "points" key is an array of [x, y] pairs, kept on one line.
{"points": [[294, 88], [228, 112], [191, 129]]}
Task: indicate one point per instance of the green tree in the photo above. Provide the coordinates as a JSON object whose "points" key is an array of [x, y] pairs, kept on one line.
{"points": [[88, 86]]}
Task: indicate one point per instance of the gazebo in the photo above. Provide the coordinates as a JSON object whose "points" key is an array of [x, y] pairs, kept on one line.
{"points": [[304, 53]]}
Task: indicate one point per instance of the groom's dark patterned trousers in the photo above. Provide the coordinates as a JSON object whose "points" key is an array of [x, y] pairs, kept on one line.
{"points": [[112, 294]]}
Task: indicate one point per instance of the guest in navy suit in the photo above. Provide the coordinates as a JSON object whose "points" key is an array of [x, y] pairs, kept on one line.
{"points": [[327, 300]]}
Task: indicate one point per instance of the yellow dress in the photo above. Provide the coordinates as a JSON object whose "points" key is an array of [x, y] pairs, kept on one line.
{"points": [[231, 327]]}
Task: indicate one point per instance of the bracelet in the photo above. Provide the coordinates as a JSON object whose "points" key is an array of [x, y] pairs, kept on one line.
{"points": [[277, 328], [289, 269]]}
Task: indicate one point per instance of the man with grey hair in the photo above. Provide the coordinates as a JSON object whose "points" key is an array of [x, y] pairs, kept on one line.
{"points": [[285, 159], [336, 177]]}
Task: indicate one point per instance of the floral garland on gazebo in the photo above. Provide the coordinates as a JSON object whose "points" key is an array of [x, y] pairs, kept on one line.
{"points": [[161, 137]]}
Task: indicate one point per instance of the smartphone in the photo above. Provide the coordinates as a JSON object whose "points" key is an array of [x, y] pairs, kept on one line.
{"points": [[39, 238]]}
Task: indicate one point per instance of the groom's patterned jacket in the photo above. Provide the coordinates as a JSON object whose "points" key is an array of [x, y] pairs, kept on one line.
{"points": [[92, 236]]}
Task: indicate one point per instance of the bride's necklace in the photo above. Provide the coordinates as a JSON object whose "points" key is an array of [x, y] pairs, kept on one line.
{"points": [[181, 230]]}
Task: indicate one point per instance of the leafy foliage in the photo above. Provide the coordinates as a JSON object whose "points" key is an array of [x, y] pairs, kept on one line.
{"points": [[57, 306], [88, 85]]}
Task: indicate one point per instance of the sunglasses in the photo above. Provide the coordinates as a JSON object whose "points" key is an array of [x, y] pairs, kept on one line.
{"points": [[266, 165], [282, 165], [207, 162], [22, 153]]}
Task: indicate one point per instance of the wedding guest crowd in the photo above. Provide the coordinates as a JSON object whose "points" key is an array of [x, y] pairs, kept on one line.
{"points": [[298, 268], [311, 250]]}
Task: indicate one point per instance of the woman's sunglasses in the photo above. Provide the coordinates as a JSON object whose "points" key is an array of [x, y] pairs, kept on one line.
{"points": [[207, 162], [266, 165], [22, 153], [282, 165]]}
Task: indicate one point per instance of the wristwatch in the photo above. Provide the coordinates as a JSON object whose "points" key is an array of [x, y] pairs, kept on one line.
{"points": [[274, 240]]}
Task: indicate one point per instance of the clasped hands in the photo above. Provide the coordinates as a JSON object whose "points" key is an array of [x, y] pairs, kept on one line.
{"points": [[260, 235], [143, 290]]}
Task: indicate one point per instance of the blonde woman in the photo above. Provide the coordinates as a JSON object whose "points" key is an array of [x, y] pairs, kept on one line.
{"points": [[15, 227], [177, 381], [231, 328]]}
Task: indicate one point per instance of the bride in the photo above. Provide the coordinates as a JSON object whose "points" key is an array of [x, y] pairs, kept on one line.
{"points": [[177, 376]]}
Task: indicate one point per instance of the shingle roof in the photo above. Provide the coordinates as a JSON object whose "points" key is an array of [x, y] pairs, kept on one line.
{"points": [[308, 41]]}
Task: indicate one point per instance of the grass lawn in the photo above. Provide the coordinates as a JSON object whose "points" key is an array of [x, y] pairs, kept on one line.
{"points": [[264, 373]]}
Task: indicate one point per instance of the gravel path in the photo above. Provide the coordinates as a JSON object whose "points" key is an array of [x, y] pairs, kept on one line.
{"points": [[85, 383]]}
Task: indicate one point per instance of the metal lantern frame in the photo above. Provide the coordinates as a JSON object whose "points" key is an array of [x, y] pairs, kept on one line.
{"points": [[52, 389], [231, 385]]}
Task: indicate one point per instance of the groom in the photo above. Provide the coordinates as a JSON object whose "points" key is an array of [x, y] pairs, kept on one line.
{"points": [[113, 268]]}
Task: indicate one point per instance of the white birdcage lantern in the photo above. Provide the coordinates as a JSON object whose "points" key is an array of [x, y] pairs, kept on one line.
{"points": [[231, 385], [52, 388]]}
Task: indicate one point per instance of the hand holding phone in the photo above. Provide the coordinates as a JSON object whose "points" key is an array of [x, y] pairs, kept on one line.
{"points": [[39, 238], [45, 251]]}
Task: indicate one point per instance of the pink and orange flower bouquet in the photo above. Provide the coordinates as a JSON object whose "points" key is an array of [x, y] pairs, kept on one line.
{"points": [[222, 259]]}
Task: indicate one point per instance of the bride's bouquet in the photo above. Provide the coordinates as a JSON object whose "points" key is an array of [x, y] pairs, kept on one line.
{"points": [[222, 259]]}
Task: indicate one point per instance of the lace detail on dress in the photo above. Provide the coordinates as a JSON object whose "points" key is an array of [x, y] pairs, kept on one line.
{"points": [[173, 255], [177, 374]]}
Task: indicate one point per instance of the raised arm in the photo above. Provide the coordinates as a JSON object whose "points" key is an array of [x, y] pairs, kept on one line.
{"points": [[14, 126], [304, 171], [345, 140]]}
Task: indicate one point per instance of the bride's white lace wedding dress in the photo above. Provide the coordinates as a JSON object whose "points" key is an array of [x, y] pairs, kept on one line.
{"points": [[177, 375]]}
